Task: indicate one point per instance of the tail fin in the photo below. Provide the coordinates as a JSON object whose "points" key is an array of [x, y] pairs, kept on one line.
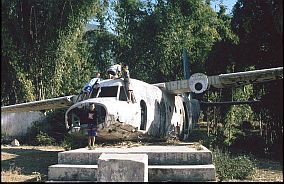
{"points": [[186, 73]]}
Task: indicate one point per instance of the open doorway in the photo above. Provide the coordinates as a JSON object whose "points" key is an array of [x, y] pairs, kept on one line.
{"points": [[143, 115]]}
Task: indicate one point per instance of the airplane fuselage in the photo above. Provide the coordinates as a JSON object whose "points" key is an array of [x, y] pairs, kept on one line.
{"points": [[159, 110], [155, 112]]}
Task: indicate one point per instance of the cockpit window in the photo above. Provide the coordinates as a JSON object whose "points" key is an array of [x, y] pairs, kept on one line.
{"points": [[110, 91]]}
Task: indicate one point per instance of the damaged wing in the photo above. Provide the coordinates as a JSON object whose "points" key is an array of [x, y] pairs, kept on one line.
{"points": [[199, 82], [243, 78], [53, 103]]}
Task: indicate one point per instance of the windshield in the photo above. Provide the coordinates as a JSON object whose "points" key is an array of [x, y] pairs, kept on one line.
{"points": [[110, 91]]}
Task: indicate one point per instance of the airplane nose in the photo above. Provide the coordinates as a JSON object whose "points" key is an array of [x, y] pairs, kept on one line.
{"points": [[76, 117]]}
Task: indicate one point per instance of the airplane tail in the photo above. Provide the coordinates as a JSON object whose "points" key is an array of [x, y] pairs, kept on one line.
{"points": [[194, 106], [186, 69], [186, 73]]}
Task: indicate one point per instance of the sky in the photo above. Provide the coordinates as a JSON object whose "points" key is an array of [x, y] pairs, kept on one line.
{"points": [[228, 5]]}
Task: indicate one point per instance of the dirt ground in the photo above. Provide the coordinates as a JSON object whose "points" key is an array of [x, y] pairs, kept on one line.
{"points": [[30, 164], [27, 163]]}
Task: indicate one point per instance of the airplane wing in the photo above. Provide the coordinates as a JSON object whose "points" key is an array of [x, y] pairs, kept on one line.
{"points": [[53, 103], [249, 102], [199, 82], [243, 78]]}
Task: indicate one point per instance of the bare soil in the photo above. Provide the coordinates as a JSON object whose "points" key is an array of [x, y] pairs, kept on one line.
{"points": [[30, 164]]}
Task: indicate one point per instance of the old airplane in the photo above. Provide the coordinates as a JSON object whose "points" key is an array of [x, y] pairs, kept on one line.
{"points": [[159, 110]]}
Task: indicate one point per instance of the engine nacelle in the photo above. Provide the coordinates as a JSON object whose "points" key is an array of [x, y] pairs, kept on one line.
{"points": [[198, 82]]}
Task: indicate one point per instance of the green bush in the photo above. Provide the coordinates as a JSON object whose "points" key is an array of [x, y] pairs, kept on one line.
{"points": [[211, 141], [233, 167], [44, 139], [36, 129], [53, 125], [3, 137], [74, 141]]}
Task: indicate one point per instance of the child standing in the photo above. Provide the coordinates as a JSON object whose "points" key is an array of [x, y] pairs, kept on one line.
{"points": [[92, 121]]}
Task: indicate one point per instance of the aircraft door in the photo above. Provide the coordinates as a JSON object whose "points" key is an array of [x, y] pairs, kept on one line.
{"points": [[143, 107]]}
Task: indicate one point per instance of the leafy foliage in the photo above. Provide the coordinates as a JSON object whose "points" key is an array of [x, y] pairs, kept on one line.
{"points": [[233, 167], [258, 27], [73, 141], [44, 139], [43, 51], [152, 37], [51, 130]]}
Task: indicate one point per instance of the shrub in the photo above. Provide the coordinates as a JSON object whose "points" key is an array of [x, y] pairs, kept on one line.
{"points": [[237, 167], [5, 138], [74, 141], [53, 125], [244, 167], [33, 131], [44, 139], [211, 141], [56, 121]]}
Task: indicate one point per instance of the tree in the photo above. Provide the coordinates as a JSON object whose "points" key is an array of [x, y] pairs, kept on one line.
{"points": [[153, 36], [43, 53], [259, 27]]}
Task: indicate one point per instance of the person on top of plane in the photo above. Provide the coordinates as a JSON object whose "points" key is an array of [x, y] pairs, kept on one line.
{"points": [[89, 86], [126, 76], [114, 71]]}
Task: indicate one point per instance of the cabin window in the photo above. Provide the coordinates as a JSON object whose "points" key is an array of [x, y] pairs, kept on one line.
{"points": [[110, 91], [122, 94], [175, 109]]}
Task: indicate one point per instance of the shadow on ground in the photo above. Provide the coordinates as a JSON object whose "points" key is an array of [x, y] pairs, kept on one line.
{"points": [[29, 161], [269, 165]]}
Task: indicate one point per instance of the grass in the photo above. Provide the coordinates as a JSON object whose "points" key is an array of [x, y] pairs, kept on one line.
{"points": [[30, 164]]}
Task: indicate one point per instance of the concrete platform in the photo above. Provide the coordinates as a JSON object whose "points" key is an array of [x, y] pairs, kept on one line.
{"points": [[165, 163], [164, 173], [157, 155]]}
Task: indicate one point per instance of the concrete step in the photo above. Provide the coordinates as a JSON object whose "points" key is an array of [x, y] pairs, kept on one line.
{"points": [[67, 172], [157, 155], [54, 181], [182, 173]]}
